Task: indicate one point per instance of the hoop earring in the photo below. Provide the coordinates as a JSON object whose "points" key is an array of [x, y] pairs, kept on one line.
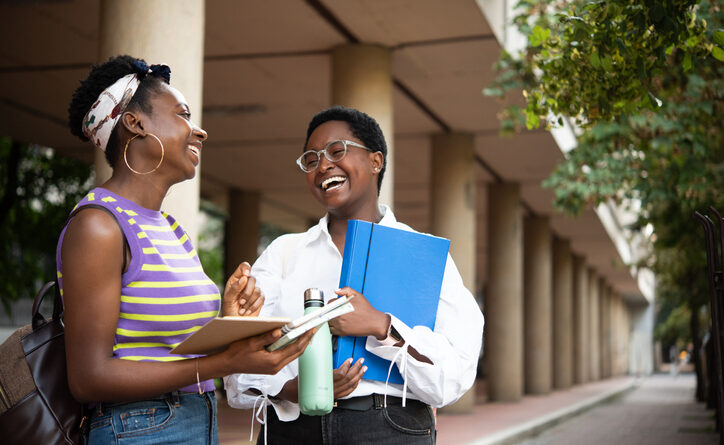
{"points": [[125, 158]]}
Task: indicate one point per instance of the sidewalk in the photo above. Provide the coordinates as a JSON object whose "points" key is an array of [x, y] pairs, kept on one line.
{"points": [[661, 411], [504, 423]]}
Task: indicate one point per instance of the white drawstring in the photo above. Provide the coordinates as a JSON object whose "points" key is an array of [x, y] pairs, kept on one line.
{"points": [[255, 412], [403, 367]]}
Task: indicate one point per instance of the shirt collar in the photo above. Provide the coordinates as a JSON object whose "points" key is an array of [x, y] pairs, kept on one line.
{"points": [[322, 229]]}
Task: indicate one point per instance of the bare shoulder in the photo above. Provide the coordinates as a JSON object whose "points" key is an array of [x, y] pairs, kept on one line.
{"points": [[93, 230]]}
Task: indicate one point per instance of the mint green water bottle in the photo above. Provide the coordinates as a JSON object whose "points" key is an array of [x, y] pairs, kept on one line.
{"points": [[316, 384]]}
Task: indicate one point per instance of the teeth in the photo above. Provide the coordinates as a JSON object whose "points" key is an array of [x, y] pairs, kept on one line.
{"points": [[194, 150], [326, 182]]}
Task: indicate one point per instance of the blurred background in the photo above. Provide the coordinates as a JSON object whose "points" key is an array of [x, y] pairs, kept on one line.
{"points": [[562, 147]]}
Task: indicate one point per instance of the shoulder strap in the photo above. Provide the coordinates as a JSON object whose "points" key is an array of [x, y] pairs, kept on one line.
{"points": [[124, 242]]}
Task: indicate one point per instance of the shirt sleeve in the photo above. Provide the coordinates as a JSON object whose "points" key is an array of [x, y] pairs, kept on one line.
{"points": [[453, 347], [243, 390]]}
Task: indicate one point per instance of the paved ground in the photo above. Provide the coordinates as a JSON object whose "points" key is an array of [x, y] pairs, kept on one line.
{"points": [[654, 410], [660, 411]]}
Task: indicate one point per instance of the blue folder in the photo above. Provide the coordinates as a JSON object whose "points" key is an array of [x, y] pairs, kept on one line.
{"points": [[399, 272]]}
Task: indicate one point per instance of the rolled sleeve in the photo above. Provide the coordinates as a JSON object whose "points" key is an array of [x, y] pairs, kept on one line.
{"points": [[453, 346]]}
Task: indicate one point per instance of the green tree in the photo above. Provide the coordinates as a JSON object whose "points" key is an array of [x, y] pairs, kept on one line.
{"points": [[39, 189], [643, 81]]}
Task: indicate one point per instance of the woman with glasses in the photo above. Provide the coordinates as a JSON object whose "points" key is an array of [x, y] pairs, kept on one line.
{"points": [[130, 278], [343, 163]]}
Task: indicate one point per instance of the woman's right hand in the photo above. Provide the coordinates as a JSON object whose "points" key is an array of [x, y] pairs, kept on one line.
{"points": [[249, 356], [347, 377]]}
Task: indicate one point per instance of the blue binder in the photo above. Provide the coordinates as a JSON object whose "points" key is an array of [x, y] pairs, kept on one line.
{"points": [[399, 272]]}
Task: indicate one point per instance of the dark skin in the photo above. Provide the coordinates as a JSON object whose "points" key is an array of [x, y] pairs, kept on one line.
{"points": [[92, 258], [355, 198]]}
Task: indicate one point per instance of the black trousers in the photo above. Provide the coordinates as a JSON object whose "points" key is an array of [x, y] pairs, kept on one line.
{"points": [[411, 425]]}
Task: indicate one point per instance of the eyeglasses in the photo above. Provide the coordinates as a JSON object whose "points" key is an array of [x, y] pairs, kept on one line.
{"points": [[334, 151]]}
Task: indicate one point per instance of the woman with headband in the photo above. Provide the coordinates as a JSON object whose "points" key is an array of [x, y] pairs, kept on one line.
{"points": [[131, 281]]}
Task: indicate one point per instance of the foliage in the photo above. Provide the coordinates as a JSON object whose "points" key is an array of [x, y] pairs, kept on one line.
{"points": [[211, 242], [643, 82], [38, 192]]}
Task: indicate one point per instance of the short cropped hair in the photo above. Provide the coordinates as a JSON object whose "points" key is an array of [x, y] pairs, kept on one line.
{"points": [[363, 127]]}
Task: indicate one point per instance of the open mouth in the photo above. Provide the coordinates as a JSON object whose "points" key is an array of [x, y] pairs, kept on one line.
{"points": [[195, 150], [333, 183]]}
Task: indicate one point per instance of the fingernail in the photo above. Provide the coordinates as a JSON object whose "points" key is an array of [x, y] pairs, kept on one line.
{"points": [[364, 369]]}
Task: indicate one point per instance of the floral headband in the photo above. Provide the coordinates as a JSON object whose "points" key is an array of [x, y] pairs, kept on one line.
{"points": [[101, 119]]}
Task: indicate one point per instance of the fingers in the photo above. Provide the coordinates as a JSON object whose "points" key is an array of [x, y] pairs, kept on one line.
{"points": [[346, 292], [256, 305], [267, 338], [248, 296], [346, 382], [294, 350], [341, 372]]}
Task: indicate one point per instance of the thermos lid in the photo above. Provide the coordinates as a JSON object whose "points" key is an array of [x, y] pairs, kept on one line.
{"points": [[313, 294]]}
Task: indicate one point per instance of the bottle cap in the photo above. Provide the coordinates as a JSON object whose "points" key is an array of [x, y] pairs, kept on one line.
{"points": [[313, 294]]}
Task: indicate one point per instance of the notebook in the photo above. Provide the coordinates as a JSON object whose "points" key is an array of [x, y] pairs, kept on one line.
{"points": [[399, 272]]}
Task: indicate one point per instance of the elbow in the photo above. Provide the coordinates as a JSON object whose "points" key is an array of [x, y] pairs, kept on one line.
{"points": [[83, 387]]}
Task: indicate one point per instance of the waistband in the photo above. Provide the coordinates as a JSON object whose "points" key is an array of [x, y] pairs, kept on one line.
{"points": [[376, 401], [173, 397]]}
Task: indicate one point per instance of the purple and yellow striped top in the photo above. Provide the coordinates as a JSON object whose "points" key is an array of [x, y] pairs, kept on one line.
{"points": [[165, 294]]}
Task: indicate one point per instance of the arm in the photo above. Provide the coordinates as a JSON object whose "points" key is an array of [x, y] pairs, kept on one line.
{"points": [[92, 261], [442, 363]]}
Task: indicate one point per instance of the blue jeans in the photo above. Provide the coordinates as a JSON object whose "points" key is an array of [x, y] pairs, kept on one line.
{"points": [[412, 425], [173, 418]]}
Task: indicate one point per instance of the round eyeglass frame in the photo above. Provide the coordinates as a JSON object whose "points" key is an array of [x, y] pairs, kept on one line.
{"points": [[324, 151]]}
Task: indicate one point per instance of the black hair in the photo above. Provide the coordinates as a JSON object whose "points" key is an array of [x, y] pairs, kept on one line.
{"points": [[104, 75], [363, 127]]}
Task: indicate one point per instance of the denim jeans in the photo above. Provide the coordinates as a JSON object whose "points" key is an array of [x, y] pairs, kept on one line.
{"points": [[411, 425], [173, 418]]}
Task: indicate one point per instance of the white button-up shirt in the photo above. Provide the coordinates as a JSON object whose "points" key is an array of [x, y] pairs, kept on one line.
{"points": [[293, 263]]}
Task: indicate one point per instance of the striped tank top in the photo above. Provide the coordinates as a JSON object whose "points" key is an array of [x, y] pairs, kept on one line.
{"points": [[165, 294]]}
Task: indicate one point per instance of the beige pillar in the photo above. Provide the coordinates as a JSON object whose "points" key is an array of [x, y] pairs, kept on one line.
{"points": [[242, 230], [580, 320], [453, 213], [537, 305], [504, 301], [604, 331], [615, 357], [170, 32], [594, 328], [362, 79], [562, 314]]}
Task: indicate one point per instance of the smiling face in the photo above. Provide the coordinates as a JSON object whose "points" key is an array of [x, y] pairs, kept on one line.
{"points": [[350, 184], [182, 139]]}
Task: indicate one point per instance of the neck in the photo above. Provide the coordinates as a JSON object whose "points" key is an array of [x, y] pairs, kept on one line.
{"points": [[337, 220], [144, 191]]}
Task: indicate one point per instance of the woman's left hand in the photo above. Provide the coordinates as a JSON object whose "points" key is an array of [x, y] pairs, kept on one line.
{"points": [[363, 321], [241, 296]]}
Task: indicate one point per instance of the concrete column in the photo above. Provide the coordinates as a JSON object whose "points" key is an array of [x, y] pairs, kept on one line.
{"points": [[453, 214], [562, 314], [170, 32], [362, 79], [537, 305], [594, 328], [604, 318], [504, 301], [242, 229], [580, 320]]}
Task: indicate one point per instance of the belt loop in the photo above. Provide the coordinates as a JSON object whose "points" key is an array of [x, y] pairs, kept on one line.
{"points": [[378, 400], [99, 409], [176, 398]]}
